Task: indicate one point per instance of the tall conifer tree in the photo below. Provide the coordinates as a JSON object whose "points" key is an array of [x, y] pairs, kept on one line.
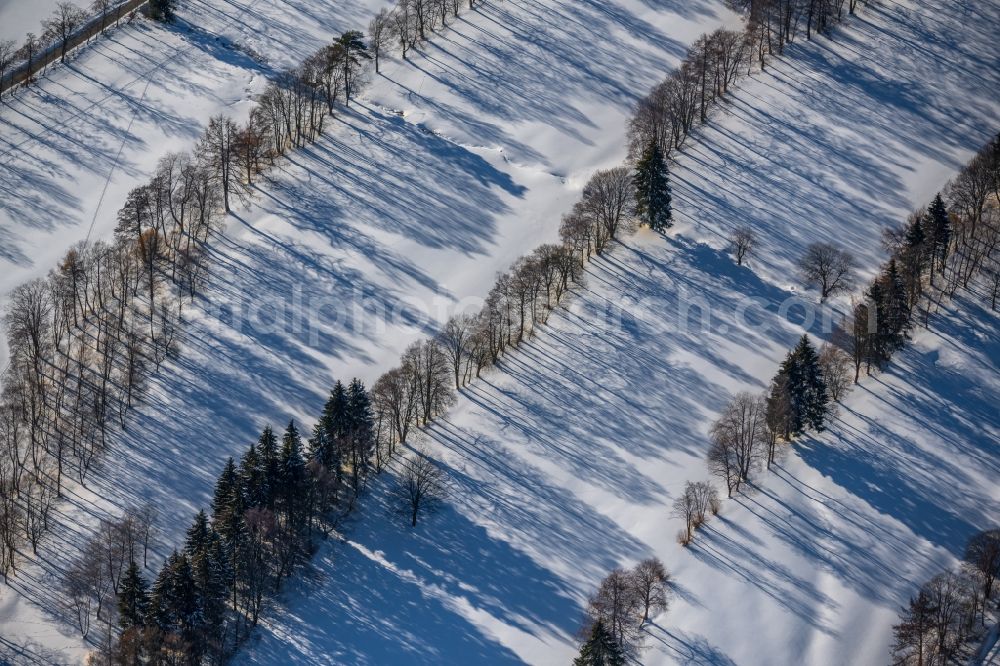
{"points": [[133, 599], [652, 189], [601, 649], [939, 232]]}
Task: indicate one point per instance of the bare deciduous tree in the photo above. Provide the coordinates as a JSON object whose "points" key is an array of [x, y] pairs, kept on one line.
{"points": [[914, 633], [380, 34], [742, 243], [828, 267], [649, 577], [65, 19], [693, 506], [422, 485], [454, 340], [426, 366], [29, 49], [835, 364], [983, 553], [684, 508], [7, 51], [738, 439], [618, 606], [609, 198], [217, 153], [102, 8]]}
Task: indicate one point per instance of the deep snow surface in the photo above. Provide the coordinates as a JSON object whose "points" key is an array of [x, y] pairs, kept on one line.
{"points": [[455, 163], [72, 146], [18, 17], [565, 463]]}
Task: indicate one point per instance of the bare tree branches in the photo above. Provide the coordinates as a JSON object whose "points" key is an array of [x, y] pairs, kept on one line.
{"points": [[742, 242], [422, 485], [626, 600], [738, 440], [828, 267], [65, 19], [693, 506]]}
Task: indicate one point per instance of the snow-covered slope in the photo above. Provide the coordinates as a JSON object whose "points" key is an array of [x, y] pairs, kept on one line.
{"points": [[455, 163], [73, 145], [565, 466], [566, 463], [18, 17]]}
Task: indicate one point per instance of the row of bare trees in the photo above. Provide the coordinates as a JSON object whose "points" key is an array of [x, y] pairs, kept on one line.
{"points": [[774, 24], [716, 61], [952, 244], [624, 602], [431, 371], [949, 609], [60, 32], [91, 582], [410, 22], [84, 339]]}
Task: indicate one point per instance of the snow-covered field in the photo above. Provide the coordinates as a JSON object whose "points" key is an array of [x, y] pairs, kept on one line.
{"points": [[18, 17], [565, 464], [73, 145], [455, 163]]}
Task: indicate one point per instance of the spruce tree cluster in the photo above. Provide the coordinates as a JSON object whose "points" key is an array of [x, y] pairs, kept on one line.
{"points": [[652, 189], [798, 399], [344, 434], [889, 302], [882, 322], [265, 512]]}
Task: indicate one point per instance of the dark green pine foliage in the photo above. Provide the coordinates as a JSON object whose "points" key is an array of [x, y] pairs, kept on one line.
{"points": [[789, 380], [915, 245], [361, 428], [133, 599], [351, 50], [212, 575], [816, 400], [270, 472], [161, 597], [939, 232], [652, 189], [185, 604], [600, 649], [326, 445], [800, 390], [163, 10], [914, 257], [915, 235], [252, 478], [198, 535], [877, 352], [225, 487], [893, 311], [227, 506], [293, 473]]}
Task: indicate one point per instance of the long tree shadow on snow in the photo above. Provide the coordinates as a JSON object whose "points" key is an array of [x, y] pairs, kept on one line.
{"points": [[958, 411], [393, 594], [839, 127]]}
